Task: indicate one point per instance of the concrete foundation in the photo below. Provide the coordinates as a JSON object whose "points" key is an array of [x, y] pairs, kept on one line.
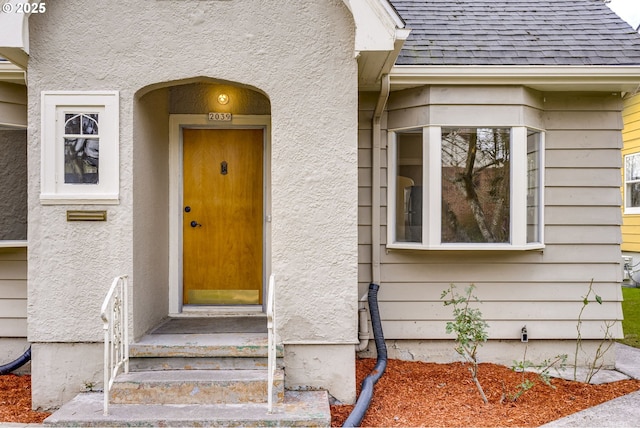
{"points": [[496, 351], [61, 370], [329, 367]]}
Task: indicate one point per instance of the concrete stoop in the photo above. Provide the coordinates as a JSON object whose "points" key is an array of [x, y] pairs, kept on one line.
{"points": [[198, 379], [299, 409]]}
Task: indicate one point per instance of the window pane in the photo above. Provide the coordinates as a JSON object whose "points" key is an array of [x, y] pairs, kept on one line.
{"points": [[633, 195], [631, 177], [72, 123], [475, 185], [409, 186], [90, 124], [81, 154], [13, 184], [533, 186], [81, 160], [632, 167]]}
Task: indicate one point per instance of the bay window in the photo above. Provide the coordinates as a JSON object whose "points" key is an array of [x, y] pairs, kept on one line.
{"points": [[465, 188]]}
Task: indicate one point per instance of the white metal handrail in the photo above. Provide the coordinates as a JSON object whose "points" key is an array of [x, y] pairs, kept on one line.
{"points": [[115, 322], [271, 345]]}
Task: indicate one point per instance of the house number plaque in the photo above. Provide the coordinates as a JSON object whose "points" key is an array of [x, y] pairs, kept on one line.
{"points": [[220, 117]]}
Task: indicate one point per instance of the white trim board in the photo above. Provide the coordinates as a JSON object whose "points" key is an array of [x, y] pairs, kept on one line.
{"points": [[545, 78]]}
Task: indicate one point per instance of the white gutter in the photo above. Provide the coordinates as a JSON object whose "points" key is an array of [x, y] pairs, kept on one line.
{"points": [[376, 154], [379, 29], [622, 78], [375, 178]]}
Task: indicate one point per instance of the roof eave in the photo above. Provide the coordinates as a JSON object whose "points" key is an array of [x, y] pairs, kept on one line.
{"points": [[14, 32], [11, 73], [372, 65], [618, 78]]}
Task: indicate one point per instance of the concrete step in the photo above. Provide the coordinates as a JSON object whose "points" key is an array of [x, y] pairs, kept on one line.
{"points": [[199, 363], [195, 387], [255, 323], [300, 408], [244, 345]]}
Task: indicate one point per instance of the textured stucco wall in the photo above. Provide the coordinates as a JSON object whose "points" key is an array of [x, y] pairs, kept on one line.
{"points": [[13, 185], [150, 211], [298, 53]]}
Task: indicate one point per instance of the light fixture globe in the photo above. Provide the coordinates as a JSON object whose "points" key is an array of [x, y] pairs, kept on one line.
{"points": [[223, 99]]}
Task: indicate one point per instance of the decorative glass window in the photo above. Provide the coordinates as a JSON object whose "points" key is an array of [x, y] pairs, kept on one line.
{"points": [[465, 188], [80, 147], [632, 184]]}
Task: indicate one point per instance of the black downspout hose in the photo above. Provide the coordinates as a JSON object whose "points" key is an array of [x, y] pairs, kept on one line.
{"points": [[358, 412], [17, 363]]}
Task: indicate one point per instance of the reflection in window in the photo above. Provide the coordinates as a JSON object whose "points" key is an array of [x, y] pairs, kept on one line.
{"points": [[13, 185], [476, 185], [409, 186], [533, 185], [632, 181], [81, 148]]}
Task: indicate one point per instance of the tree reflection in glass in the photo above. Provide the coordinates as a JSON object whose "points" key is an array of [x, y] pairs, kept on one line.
{"points": [[81, 148]]}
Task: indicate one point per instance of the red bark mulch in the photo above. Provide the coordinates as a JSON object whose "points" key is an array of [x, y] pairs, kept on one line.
{"points": [[417, 394], [15, 400]]}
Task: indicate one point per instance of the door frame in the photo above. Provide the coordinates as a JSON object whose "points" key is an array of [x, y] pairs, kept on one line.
{"points": [[178, 122]]}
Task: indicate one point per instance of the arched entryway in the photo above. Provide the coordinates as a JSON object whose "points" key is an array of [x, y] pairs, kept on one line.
{"points": [[201, 198]]}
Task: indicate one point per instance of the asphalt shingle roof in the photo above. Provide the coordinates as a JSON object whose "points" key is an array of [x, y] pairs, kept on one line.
{"points": [[515, 32]]}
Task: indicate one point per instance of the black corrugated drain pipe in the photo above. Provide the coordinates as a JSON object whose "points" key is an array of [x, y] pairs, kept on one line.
{"points": [[366, 393], [17, 363]]}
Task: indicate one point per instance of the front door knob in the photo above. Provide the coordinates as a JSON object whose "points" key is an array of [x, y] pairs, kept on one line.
{"points": [[195, 224]]}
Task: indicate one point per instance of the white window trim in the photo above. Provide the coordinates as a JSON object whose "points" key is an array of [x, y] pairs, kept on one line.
{"points": [[627, 209], [14, 244], [432, 185], [54, 191]]}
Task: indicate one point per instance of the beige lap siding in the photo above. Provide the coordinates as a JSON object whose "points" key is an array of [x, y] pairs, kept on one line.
{"points": [[542, 289], [13, 292]]}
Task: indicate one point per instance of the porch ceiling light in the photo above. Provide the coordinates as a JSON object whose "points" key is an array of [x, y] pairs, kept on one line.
{"points": [[223, 99]]}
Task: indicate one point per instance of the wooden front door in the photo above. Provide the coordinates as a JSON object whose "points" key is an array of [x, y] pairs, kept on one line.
{"points": [[222, 231]]}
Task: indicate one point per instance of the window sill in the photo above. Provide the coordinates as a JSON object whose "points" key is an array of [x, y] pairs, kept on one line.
{"points": [[14, 244], [61, 199], [465, 247]]}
